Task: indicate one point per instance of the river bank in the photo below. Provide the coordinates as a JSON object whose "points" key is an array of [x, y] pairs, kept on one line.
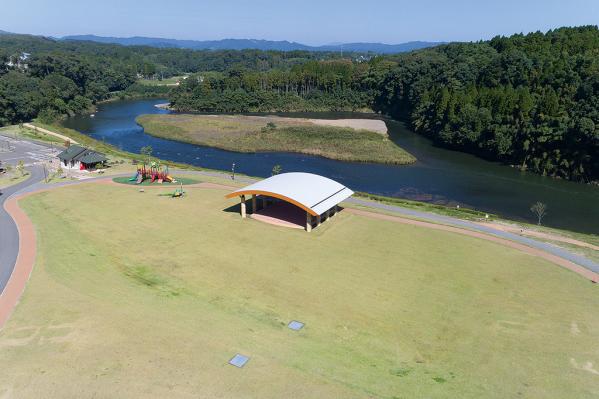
{"points": [[354, 140], [440, 176]]}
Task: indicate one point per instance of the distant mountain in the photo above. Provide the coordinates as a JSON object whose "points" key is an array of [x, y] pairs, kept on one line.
{"points": [[2, 32], [244, 44], [380, 48]]}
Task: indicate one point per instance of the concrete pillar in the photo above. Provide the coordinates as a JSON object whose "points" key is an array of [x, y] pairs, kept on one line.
{"points": [[308, 222], [254, 203], [328, 215], [318, 220], [264, 202], [242, 199]]}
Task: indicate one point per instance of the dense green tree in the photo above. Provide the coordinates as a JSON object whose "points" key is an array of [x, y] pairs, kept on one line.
{"points": [[527, 100], [530, 100]]}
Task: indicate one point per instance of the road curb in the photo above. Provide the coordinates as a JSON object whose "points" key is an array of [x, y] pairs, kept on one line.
{"points": [[21, 272]]}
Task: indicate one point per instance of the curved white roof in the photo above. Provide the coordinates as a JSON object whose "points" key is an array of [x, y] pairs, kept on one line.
{"points": [[316, 194]]}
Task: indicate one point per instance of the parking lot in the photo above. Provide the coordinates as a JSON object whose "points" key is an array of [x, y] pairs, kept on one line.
{"points": [[13, 150]]}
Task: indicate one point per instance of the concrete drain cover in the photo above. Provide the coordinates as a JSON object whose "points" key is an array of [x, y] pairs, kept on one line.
{"points": [[239, 360], [295, 325]]}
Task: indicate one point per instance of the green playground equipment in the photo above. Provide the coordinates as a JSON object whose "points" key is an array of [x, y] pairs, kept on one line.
{"points": [[178, 193]]}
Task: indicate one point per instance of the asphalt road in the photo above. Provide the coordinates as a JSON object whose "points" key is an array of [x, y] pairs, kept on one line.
{"points": [[11, 152], [9, 235]]}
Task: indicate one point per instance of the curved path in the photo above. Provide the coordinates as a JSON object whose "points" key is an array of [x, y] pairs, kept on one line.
{"points": [[9, 234], [13, 251], [17, 256], [447, 220]]}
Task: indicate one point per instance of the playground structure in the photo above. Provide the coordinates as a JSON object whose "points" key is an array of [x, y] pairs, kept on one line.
{"points": [[155, 173]]}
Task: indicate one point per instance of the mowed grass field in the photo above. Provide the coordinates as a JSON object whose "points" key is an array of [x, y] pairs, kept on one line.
{"points": [[138, 296], [248, 134]]}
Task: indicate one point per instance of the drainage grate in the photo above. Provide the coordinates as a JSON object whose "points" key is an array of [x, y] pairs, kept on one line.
{"points": [[295, 325], [239, 360]]}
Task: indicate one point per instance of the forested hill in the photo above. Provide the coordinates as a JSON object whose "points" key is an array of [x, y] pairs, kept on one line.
{"points": [[52, 79], [528, 100], [252, 44]]}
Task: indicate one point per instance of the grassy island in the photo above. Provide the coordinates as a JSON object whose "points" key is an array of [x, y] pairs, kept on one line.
{"points": [[257, 134]]}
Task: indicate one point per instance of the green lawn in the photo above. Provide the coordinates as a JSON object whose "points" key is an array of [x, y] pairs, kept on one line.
{"points": [[137, 295], [30, 134], [247, 134], [11, 178]]}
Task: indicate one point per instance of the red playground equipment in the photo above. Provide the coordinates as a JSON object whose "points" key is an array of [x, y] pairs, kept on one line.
{"points": [[156, 173]]}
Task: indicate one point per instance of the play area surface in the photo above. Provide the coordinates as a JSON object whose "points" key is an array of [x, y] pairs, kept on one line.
{"points": [[176, 182], [153, 298]]}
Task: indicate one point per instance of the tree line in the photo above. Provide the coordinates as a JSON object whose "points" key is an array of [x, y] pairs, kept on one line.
{"points": [[527, 100], [332, 85], [51, 79]]}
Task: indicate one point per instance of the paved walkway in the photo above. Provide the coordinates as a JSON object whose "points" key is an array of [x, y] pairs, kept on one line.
{"points": [[450, 221], [9, 237], [592, 276]]}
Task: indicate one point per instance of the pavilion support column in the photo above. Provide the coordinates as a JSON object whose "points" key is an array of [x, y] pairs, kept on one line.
{"points": [[328, 215], [333, 211], [308, 222], [264, 202], [318, 220], [254, 203], [242, 199]]}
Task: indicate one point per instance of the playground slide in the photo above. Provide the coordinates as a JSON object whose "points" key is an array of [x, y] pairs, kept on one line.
{"points": [[134, 178], [139, 179]]}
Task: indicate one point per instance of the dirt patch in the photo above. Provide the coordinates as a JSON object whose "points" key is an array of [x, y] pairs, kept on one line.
{"points": [[374, 125]]}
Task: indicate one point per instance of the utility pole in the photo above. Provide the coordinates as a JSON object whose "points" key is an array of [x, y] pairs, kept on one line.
{"points": [[233, 171]]}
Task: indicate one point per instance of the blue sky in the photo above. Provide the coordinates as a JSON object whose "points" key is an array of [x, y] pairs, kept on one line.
{"points": [[307, 21]]}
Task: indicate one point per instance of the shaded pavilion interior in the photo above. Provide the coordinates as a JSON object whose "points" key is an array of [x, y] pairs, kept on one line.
{"points": [[295, 200]]}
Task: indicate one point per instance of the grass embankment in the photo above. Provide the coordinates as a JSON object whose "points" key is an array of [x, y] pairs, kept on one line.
{"points": [[461, 213], [113, 152], [11, 178], [249, 134], [30, 134], [541, 233], [135, 295]]}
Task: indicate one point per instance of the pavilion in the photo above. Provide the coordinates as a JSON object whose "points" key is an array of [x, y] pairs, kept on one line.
{"points": [[315, 195]]}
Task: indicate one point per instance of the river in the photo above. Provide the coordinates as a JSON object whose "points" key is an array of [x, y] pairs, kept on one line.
{"points": [[440, 175]]}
